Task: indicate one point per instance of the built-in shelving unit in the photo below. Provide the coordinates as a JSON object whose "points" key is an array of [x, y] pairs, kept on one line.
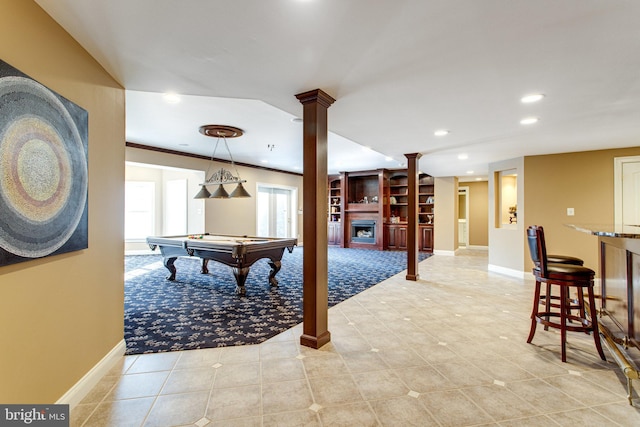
{"points": [[336, 200], [369, 209]]}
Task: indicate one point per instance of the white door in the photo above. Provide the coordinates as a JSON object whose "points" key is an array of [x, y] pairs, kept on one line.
{"points": [[627, 190], [275, 211], [463, 214]]}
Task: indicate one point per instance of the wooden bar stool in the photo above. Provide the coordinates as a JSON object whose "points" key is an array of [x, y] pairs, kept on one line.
{"points": [[566, 277]]}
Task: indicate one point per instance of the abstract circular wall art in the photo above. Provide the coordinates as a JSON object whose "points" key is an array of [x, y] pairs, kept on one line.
{"points": [[43, 170]]}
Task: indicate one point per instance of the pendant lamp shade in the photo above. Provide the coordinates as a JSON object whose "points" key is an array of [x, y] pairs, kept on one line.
{"points": [[220, 193], [239, 192], [203, 193]]}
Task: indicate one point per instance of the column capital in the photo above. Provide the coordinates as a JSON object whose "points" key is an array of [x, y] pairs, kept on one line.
{"points": [[316, 95]]}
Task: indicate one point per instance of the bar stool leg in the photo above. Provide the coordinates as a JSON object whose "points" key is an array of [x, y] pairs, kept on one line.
{"points": [[564, 308], [594, 322], [534, 312]]}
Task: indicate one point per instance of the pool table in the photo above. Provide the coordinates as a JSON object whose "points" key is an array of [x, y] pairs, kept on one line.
{"points": [[238, 252]]}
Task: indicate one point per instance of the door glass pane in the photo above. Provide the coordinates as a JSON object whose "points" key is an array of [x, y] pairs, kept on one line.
{"points": [[281, 214], [139, 204]]}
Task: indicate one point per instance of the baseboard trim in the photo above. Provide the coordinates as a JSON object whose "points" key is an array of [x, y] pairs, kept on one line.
{"points": [[483, 248], [506, 271], [443, 252], [80, 389]]}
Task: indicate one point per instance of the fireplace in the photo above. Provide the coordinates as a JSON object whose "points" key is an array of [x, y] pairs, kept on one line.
{"points": [[363, 231]]}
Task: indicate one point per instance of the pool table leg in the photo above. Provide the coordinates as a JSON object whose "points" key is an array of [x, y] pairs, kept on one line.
{"points": [[205, 266], [168, 262], [241, 274], [275, 267]]}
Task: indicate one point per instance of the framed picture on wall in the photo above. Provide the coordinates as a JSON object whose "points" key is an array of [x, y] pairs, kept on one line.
{"points": [[43, 170]]}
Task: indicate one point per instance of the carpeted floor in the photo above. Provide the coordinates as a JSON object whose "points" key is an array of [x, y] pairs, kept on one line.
{"points": [[202, 311]]}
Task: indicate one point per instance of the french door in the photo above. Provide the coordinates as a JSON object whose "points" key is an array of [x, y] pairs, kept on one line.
{"points": [[276, 206]]}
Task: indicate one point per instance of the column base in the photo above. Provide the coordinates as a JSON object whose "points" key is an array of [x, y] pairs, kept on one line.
{"points": [[315, 342]]}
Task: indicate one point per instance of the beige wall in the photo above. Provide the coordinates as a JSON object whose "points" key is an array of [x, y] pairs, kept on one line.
{"points": [[230, 216], [445, 229], [478, 218], [60, 315], [583, 181]]}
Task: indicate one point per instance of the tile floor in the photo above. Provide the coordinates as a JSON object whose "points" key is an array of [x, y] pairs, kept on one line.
{"points": [[447, 350]]}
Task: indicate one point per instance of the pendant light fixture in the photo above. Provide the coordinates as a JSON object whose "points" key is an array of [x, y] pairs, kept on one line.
{"points": [[221, 176]]}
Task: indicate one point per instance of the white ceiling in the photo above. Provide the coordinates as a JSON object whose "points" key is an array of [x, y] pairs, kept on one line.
{"points": [[399, 70]]}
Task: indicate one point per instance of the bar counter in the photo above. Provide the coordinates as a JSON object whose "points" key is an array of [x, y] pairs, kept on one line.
{"points": [[619, 312]]}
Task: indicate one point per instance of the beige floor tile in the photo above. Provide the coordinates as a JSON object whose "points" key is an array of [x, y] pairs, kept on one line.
{"points": [[463, 374], [355, 414], [423, 379], [286, 396], [544, 396], [580, 417], [574, 385], [240, 354], [278, 350], [402, 411], [189, 380], [100, 390], [380, 385], [453, 408], [329, 364], [177, 409], [620, 413], [364, 361], [138, 385], [292, 419], [201, 358], [350, 343], [275, 370], [154, 362], [334, 390], [238, 402], [80, 413], [500, 403], [121, 413], [237, 375], [401, 357]]}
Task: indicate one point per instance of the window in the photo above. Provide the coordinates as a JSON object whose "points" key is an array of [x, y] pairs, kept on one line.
{"points": [[139, 208]]}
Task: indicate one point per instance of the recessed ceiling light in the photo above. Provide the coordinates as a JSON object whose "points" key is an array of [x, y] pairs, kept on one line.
{"points": [[441, 132], [534, 97], [463, 156], [469, 172], [478, 179], [171, 98], [388, 159], [264, 161], [529, 121]]}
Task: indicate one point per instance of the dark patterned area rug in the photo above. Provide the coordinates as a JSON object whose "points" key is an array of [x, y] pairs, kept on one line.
{"points": [[203, 311]]}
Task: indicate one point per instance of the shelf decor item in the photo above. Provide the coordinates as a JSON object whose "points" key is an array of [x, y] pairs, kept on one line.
{"points": [[43, 170]]}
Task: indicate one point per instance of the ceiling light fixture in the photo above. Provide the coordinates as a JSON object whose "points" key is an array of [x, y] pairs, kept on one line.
{"points": [[470, 172], [222, 176], [463, 156], [171, 98], [441, 132], [529, 120], [534, 97]]}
